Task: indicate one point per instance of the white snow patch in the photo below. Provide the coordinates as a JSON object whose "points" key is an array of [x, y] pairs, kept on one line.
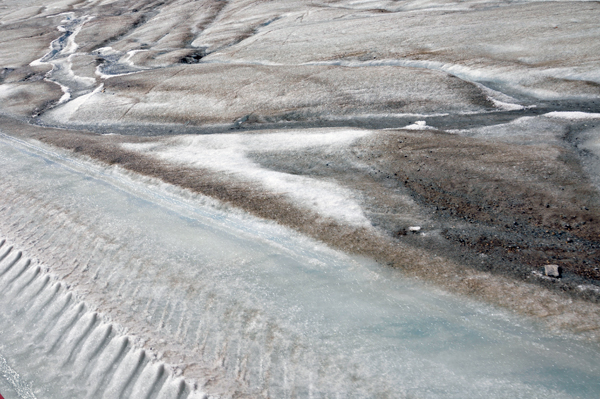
{"points": [[71, 46], [228, 153], [67, 109], [572, 115], [130, 54], [505, 106], [8, 89], [419, 125], [66, 92], [500, 100]]}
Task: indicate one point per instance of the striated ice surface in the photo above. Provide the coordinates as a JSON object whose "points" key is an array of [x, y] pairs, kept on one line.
{"points": [[146, 286]]}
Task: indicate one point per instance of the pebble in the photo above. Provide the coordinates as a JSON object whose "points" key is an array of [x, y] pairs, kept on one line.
{"points": [[552, 271]]}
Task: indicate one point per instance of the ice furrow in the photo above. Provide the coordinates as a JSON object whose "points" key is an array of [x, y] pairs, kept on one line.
{"points": [[109, 361], [20, 286], [151, 377], [10, 264], [31, 294], [14, 274], [59, 56], [125, 374], [87, 358], [72, 344], [41, 303], [62, 330], [173, 388], [53, 314], [142, 362], [5, 253]]}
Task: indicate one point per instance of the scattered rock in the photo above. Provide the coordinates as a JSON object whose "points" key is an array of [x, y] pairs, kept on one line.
{"points": [[553, 271], [193, 58]]}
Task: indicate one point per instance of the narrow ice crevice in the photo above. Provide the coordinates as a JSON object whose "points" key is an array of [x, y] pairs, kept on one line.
{"points": [[66, 92], [228, 153], [71, 47], [62, 72]]}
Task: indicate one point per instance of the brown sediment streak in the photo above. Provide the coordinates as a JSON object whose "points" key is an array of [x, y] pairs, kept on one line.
{"points": [[530, 295]]}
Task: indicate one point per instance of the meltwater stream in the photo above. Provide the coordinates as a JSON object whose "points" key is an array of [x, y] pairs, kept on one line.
{"points": [[116, 287]]}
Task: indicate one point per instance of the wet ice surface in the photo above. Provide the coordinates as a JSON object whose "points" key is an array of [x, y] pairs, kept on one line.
{"points": [[235, 304]]}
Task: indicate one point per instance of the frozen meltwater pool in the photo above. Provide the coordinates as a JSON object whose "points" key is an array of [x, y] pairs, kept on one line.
{"points": [[150, 291]]}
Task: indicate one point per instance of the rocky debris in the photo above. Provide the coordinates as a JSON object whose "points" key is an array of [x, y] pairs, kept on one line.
{"points": [[553, 271], [193, 58], [490, 197]]}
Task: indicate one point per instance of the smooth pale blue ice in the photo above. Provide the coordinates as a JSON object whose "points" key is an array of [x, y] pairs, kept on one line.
{"points": [[265, 311]]}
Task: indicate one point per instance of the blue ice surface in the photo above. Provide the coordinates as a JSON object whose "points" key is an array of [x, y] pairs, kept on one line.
{"points": [[338, 324]]}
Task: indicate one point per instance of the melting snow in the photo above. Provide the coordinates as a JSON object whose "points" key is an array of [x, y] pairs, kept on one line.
{"points": [[229, 153], [418, 125], [573, 115]]}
